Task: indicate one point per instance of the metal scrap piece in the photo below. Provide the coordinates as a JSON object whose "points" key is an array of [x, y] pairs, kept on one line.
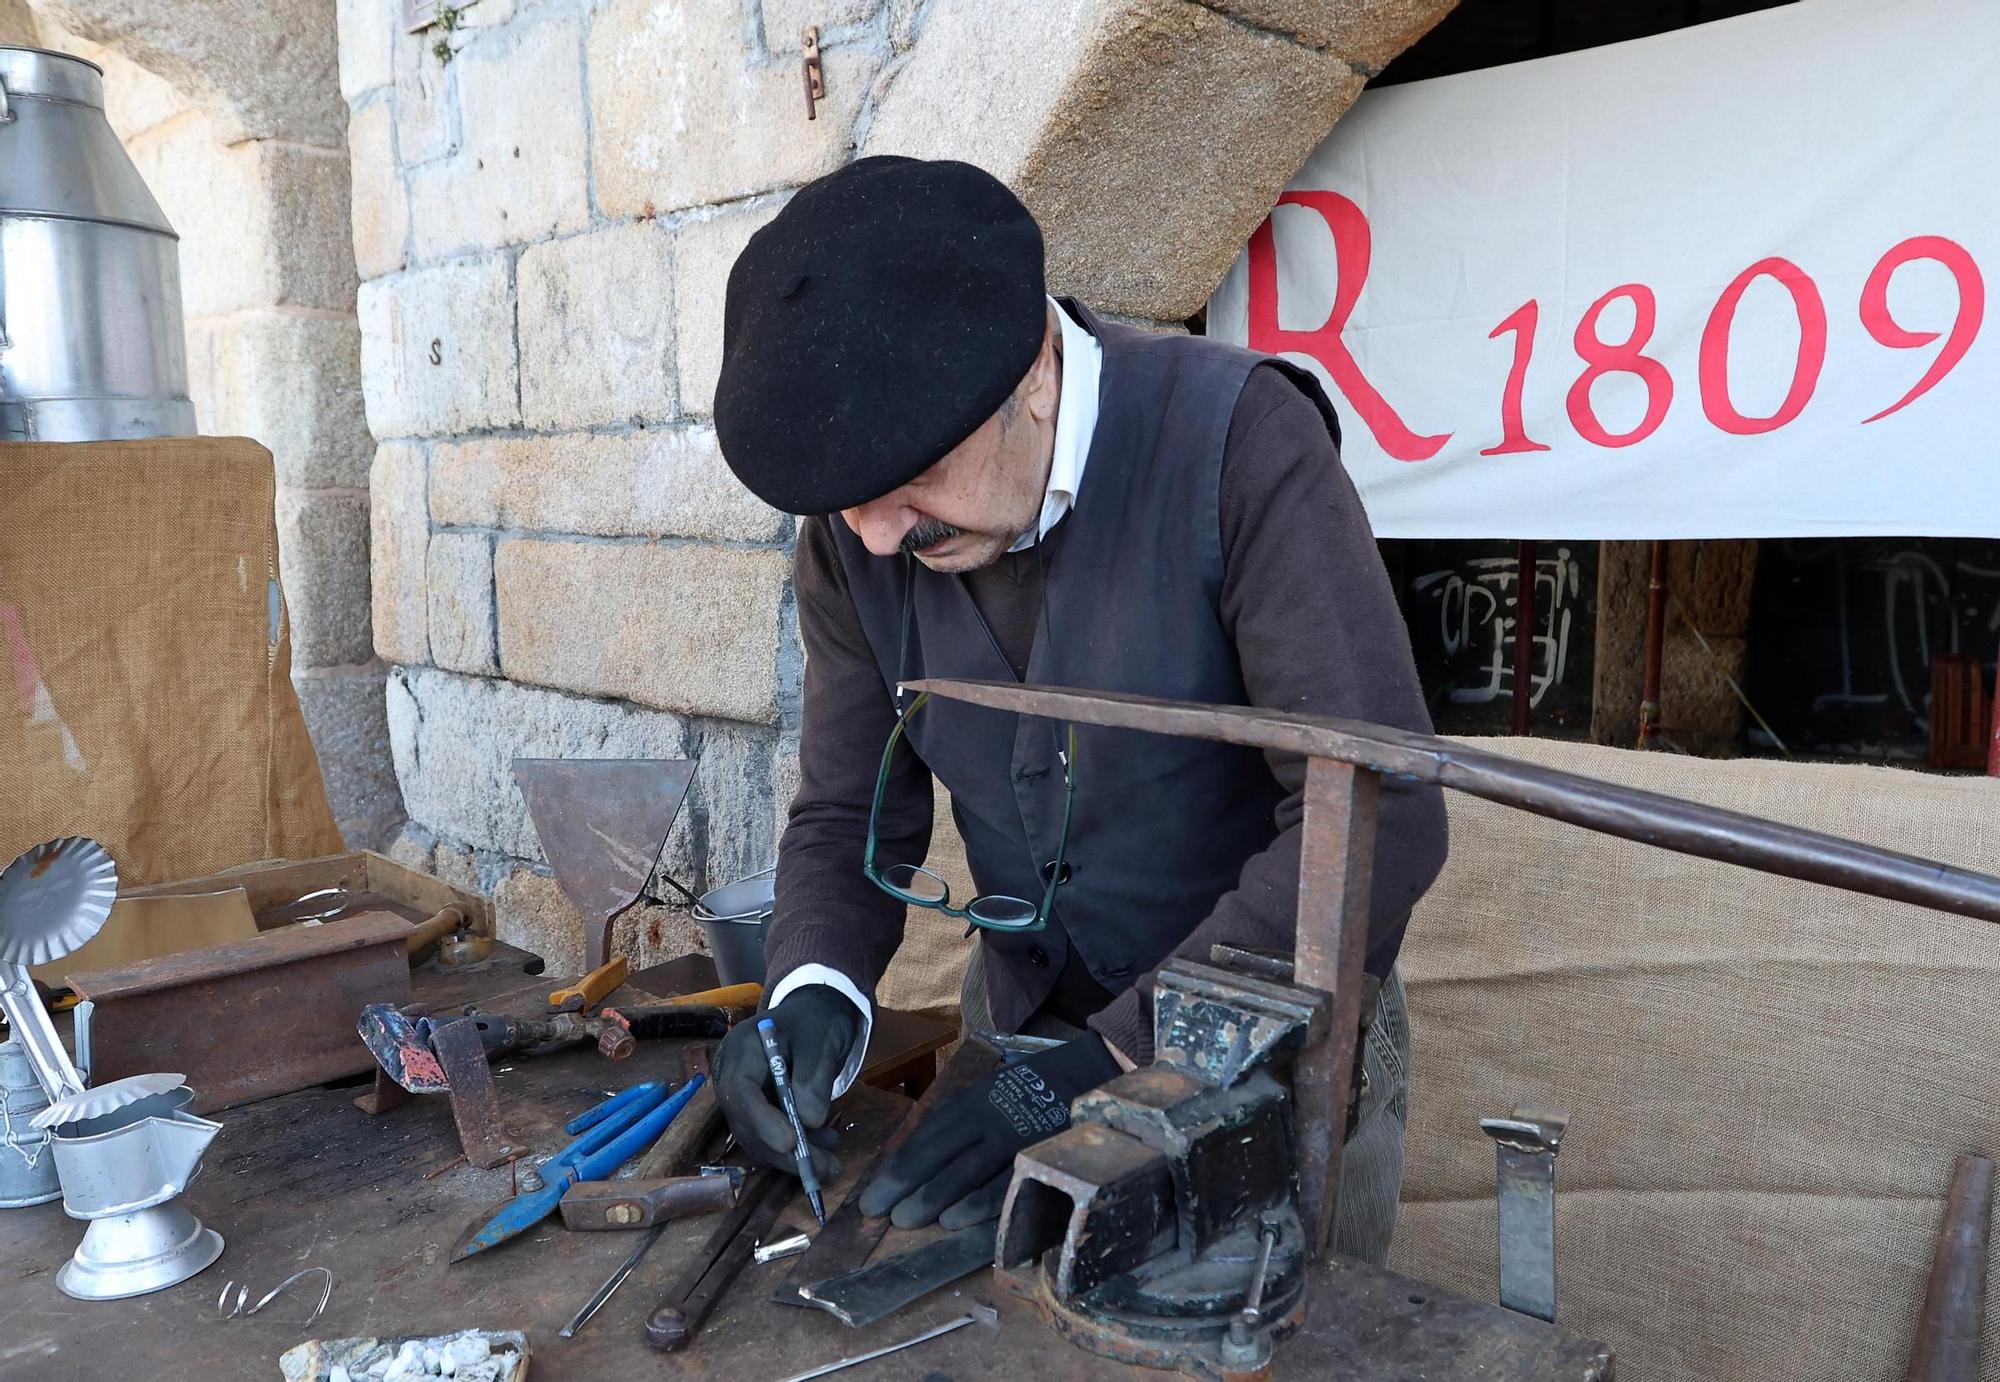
{"points": [[880, 1289]]}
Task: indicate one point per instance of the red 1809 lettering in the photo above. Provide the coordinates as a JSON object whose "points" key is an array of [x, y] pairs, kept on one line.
{"points": [[1352, 246], [1714, 367], [1883, 327], [1601, 359]]}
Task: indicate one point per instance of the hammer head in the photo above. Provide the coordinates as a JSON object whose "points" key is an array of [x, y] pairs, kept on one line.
{"points": [[403, 1052]]}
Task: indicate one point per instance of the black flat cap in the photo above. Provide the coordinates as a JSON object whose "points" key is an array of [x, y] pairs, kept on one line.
{"points": [[872, 326]]}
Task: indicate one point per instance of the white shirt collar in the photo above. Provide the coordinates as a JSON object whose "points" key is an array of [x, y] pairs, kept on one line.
{"points": [[1076, 424]]}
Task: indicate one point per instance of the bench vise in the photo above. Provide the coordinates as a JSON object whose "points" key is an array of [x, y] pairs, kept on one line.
{"points": [[1162, 1227]]}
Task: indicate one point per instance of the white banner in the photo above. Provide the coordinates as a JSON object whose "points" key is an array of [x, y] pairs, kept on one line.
{"points": [[1726, 282]]}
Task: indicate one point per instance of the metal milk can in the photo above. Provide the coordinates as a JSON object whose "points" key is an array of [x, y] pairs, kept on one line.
{"points": [[90, 291]]}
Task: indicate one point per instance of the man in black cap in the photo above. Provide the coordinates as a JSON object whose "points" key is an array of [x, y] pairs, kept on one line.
{"points": [[998, 485]]}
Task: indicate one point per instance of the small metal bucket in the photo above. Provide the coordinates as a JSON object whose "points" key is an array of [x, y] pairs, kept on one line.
{"points": [[27, 1165], [735, 918]]}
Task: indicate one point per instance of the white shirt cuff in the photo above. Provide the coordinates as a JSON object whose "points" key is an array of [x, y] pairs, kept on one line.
{"points": [[805, 975]]}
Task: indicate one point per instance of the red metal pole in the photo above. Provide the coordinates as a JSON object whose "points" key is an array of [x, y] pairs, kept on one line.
{"points": [[1656, 633], [1524, 636]]}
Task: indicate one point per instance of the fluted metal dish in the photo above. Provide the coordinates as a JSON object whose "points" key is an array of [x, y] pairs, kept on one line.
{"points": [[54, 898]]}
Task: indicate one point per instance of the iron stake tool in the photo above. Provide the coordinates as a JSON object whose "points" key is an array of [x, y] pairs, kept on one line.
{"points": [[980, 1314], [617, 1279], [802, 1153], [1525, 1145]]}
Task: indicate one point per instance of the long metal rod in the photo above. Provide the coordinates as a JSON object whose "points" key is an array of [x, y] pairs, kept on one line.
{"points": [[1652, 818], [1656, 634], [1948, 1336], [975, 1317], [1336, 870], [611, 1285]]}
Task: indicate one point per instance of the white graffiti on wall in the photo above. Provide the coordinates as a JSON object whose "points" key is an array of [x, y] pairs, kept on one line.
{"points": [[1915, 589], [1476, 610]]}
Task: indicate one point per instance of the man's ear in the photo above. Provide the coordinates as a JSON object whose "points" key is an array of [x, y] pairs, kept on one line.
{"points": [[1043, 387]]}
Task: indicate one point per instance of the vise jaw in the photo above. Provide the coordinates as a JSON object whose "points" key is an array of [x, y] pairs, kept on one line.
{"points": [[1166, 1213]]}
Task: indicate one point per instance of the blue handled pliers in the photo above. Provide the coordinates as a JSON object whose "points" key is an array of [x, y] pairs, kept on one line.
{"points": [[613, 1132]]}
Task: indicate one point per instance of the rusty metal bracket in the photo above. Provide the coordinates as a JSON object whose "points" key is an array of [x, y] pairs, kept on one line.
{"points": [[811, 72], [475, 1103]]}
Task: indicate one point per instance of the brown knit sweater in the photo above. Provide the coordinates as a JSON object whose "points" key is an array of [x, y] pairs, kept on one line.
{"points": [[1309, 607]]}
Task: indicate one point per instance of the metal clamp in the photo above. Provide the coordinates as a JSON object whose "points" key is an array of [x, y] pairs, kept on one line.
{"points": [[6, 106], [1525, 1145]]}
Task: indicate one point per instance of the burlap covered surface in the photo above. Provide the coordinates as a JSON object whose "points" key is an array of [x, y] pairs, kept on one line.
{"points": [[924, 977], [148, 701], [1769, 1079]]}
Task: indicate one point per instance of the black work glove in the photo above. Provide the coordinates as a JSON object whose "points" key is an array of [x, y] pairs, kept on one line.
{"points": [[956, 1164], [816, 1029]]}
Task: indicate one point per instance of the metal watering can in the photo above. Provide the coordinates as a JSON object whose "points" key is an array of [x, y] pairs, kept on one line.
{"points": [[91, 347]]}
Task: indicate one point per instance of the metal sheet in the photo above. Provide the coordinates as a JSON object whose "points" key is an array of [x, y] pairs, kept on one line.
{"points": [[602, 823], [882, 1288]]}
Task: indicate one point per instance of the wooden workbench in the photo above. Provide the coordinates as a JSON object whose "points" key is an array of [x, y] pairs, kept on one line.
{"points": [[307, 1179]]}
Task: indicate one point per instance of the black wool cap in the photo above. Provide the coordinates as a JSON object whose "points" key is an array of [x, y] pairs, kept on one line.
{"points": [[885, 313]]}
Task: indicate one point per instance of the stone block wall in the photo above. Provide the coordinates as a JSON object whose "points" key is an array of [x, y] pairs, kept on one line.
{"points": [[543, 219], [250, 167]]}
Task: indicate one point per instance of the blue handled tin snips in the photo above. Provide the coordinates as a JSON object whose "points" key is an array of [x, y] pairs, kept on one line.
{"points": [[613, 1132]]}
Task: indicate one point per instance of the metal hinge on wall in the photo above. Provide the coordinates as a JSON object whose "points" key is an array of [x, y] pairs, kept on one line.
{"points": [[811, 71]]}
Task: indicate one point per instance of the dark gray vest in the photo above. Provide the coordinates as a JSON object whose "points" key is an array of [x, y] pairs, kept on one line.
{"points": [[1162, 826]]}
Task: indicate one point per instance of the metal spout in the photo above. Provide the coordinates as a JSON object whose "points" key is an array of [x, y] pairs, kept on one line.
{"points": [[135, 1162]]}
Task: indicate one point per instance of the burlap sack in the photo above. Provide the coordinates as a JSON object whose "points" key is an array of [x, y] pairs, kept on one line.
{"points": [[1769, 1080], [924, 977], [143, 632]]}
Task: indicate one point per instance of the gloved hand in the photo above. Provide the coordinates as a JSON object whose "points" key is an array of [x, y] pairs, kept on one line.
{"points": [[956, 1164], [816, 1030]]}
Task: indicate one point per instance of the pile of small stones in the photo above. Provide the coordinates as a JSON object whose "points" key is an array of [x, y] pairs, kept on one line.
{"points": [[465, 1357]]}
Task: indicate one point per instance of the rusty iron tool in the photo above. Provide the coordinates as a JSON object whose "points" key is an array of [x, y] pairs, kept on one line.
{"points": [[604, 1293], [1954, 1318], [882, 1288], [602, 823], [1525, 1145], [979, 1314], [681, 1311], [849, 1237], [436, 1058], [612, 1133], [594, 1206], [592, 988]]}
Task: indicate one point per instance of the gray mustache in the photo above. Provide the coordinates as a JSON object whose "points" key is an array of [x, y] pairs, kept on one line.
{"points": [[929, 532]]}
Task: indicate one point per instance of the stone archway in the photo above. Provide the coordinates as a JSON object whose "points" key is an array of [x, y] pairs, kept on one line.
{"points": [[232, 113], [1149, 136]]}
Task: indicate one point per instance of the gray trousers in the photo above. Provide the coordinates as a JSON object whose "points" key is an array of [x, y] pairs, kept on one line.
{"points": [[1371, 1169]]}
